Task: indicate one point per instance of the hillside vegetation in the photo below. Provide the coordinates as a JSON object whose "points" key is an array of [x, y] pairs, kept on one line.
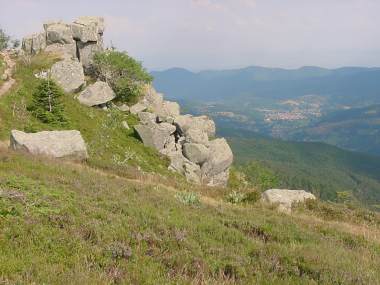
{"points": [[65, 223], [122, 218], [110, 145], [320, 168]]}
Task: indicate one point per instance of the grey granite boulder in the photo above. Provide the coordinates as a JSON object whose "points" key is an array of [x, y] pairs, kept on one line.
{"points": [[86, 53], [219, 161], [87, 21], [68, 74], [203, 123], [285, 198], [147, 118], [155, 135], [34, 44], [64, 51], [196, 136], [137, 108], [96, 94], [196, 153], [55, 144], [58, 33]]}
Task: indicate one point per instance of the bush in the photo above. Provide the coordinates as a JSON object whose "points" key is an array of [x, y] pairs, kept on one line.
{"points": [[188, 198], [235, 197], [47, 105], [250, 197], [124, 74]]}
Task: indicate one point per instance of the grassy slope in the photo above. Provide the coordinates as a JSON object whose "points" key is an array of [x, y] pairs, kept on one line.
{"points": [[66, 223], [320, 168], [109, 144], [63, 223]]}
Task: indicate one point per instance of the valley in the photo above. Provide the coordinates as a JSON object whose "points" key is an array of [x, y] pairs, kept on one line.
{"points": [[287, 104]]}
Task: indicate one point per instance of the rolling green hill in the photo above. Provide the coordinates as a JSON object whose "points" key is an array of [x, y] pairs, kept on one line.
{"points": [[320, 168]]}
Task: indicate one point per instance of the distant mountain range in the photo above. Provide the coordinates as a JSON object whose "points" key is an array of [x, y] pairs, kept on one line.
{"points": [[336, 106], [347, 85]]}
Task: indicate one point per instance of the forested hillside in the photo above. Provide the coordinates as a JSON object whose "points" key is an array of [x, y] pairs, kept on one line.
{"points": [[325, 170]]}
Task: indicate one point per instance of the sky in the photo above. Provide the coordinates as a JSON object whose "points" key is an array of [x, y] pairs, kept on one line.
{"points": [[220, 34]]}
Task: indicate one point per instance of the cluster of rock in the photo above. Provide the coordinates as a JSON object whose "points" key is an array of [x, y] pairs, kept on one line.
{"points": [[79, 40], [185, 139], [284, 198]]}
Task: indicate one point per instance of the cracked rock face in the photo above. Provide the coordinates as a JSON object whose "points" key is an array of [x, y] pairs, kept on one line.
{"points": [[68, 74], [55, 144]]}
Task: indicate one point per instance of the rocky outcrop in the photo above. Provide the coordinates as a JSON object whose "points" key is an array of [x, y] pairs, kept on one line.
{"points": [[34, 44], [187, 144], [58, 33], [187, 140], [68, 74], [285, 198], [80, 39], [55, 144], [96, 94]]}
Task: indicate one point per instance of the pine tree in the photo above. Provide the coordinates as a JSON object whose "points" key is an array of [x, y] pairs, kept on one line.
{"points": [[47, 104]]}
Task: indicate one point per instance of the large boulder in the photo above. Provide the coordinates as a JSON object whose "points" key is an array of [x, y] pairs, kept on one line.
{"points": [[34, 44], [137, 108], [68, 74], [196, 153], [203, 123], [86, 53], [88, 29], [180, 164], [27, 44], [196, 136], [147, 118], [96, 94], [86, 21], [167, 109], [84, 33], [56, 144], [219, 161], [285, 198], [64, 51], [58, 33], [155, 135], [152, 99]]}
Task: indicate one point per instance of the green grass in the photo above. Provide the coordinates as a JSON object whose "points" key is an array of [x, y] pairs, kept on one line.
{"points": [[62, 223], [109, 144]]}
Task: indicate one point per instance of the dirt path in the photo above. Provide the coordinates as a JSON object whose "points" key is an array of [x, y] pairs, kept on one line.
{"points": [[7, 85]]}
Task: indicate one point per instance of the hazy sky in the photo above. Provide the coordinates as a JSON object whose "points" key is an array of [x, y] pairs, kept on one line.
{"points": [[199, 34]]}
